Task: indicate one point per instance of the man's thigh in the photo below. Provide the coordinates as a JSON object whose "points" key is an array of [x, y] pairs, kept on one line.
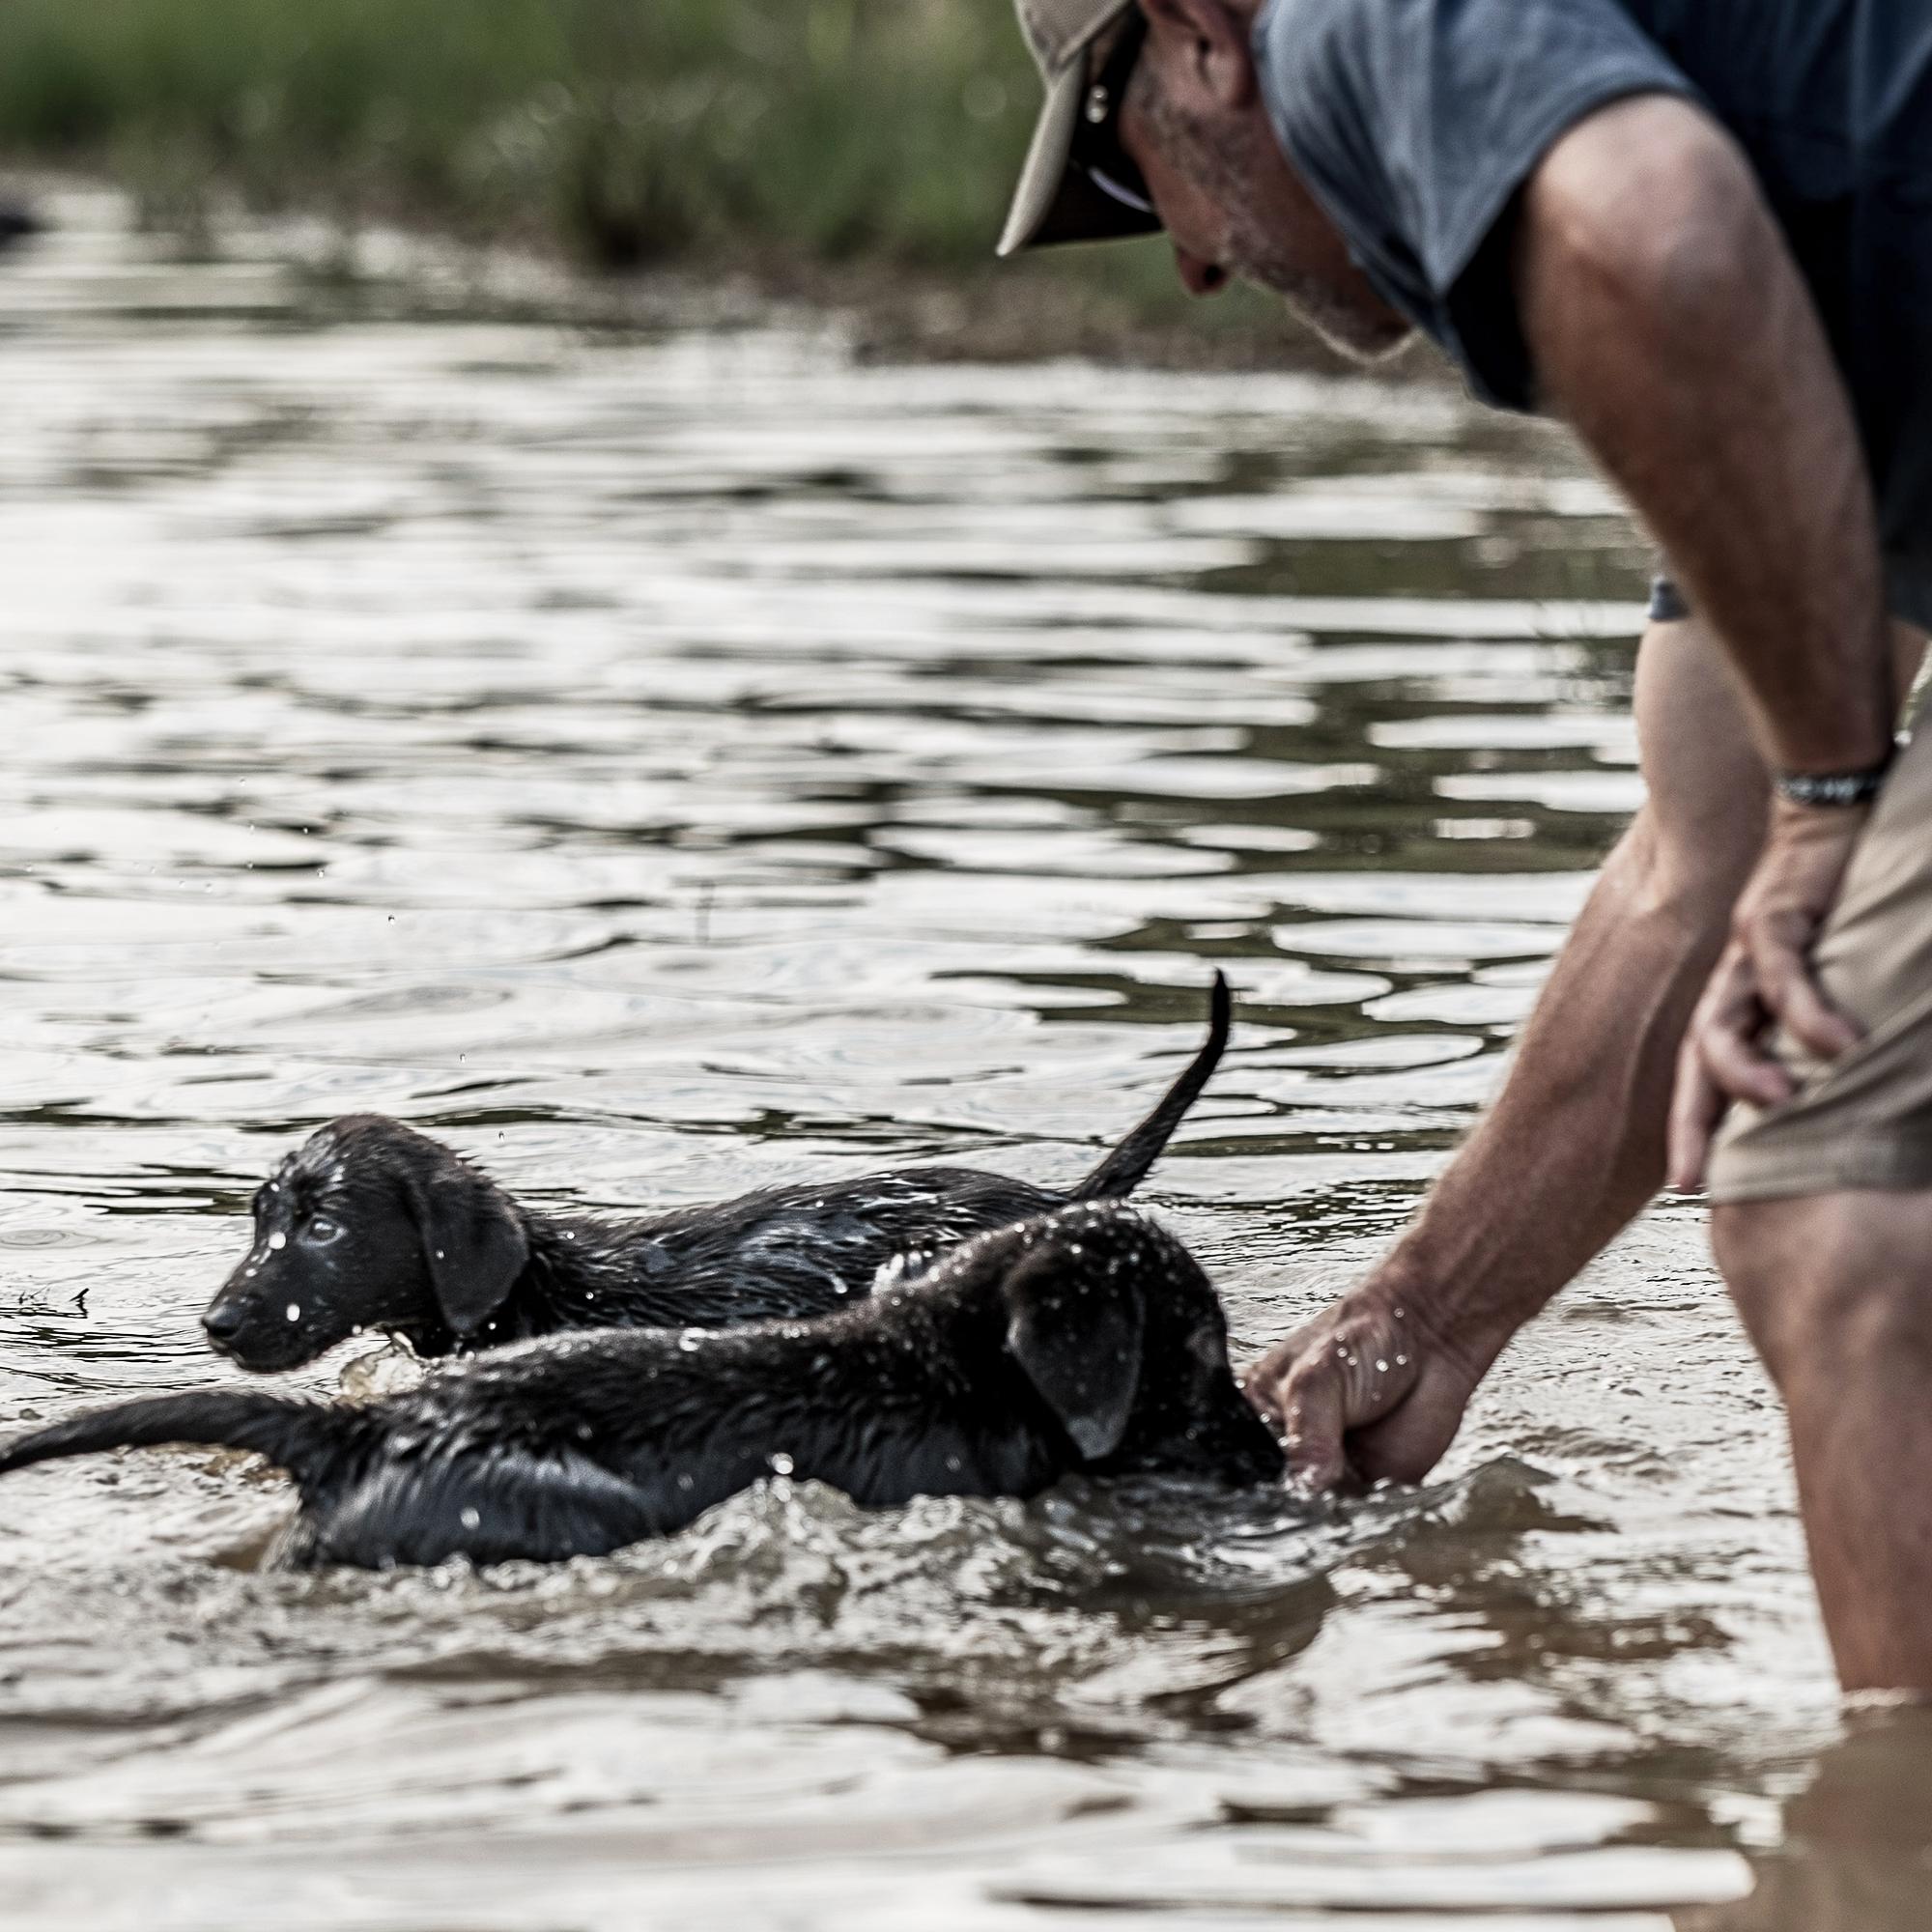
{"points": [[1706, 784]]}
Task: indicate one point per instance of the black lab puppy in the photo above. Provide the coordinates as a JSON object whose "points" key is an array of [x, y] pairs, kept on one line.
{"points": [[1085, 1339], [371, 1225]]}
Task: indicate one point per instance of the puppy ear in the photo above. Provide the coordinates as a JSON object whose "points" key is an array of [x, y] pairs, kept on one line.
{"points": [[1076, 1331], [474, 1245]]}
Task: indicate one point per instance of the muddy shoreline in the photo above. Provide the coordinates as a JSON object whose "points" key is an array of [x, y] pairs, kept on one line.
{"points": [[1050, 308]]}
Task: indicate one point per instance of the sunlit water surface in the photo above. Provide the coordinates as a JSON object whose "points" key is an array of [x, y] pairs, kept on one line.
{"points": [[669, 760]]}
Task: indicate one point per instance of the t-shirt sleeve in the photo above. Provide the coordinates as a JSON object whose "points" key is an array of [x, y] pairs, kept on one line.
{"points": [[1416, 122]]}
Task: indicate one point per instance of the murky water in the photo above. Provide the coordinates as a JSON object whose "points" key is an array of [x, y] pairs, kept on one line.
{"points": [[673, 760]]}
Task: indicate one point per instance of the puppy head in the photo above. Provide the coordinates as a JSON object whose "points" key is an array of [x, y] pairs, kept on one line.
{"points": [[368, 1225], [1122, 1337]]}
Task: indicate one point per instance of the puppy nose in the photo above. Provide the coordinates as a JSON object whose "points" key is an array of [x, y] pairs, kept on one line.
{"points": [[223, 1320]]}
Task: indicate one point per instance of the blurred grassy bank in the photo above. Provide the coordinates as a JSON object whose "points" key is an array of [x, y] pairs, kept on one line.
{"points": [[867, 141]]}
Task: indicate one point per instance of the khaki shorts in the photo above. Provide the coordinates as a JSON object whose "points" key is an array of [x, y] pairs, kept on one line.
{"points": [[1865, 1119]]}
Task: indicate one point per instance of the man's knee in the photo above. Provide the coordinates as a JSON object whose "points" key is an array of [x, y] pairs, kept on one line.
{"points": [[1827, 1282]]}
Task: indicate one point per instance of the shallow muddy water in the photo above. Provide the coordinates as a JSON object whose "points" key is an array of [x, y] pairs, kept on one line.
{"points": [[669, 760]]}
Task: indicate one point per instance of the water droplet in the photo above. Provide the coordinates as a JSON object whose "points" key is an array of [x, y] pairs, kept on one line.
{"points": [[781, 1463], [1402, 1361], [438, 1254], [1382, 1368], [278, 1240], [688, 1341], [294, 1311], [471, 1517], [684, 1482]]}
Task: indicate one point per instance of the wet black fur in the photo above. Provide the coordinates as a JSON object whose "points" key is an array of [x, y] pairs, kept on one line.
{"points": [[1085, 1339], [429, 1247]]}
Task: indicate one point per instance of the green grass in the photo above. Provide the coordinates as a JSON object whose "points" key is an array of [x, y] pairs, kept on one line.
{"points": [[632, 128], [626, 131]]}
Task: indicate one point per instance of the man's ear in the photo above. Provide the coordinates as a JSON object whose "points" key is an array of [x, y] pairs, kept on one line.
{"points": [[474, 1245], [1204, 46], [1077, 1334]]}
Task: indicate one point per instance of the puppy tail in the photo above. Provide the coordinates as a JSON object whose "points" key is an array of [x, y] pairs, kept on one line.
{"points": [[303, 1437], [1126, 1167]]}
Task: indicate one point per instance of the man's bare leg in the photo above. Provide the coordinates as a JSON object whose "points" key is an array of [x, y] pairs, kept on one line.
{"points": [[1834, 1290]]}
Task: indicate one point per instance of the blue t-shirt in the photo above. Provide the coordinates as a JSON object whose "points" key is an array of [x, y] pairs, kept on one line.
{"points": [[1415, 123]]}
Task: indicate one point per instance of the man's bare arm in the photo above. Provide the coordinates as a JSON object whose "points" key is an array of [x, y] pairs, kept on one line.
{"points": [[1668, 322], [1669, 325], [1573, 1145]]}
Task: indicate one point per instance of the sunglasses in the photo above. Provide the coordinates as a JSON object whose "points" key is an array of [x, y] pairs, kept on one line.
{"points": [[1096, 149]]}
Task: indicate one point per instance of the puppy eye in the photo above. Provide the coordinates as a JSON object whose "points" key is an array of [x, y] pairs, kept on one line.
{"points": [[318, 1231]]}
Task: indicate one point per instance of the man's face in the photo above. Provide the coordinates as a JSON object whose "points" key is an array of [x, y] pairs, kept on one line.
{"points": [[1193, 123]]}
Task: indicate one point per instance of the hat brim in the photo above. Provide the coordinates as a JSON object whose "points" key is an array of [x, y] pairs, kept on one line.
{"points": [[1056, 202]]}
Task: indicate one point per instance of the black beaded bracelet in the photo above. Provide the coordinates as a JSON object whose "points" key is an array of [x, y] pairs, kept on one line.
{"points": [[1833, 787]]}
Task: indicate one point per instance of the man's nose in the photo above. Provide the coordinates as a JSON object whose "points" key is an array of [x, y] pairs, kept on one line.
{"points": [[223, 1320], [1200, 277]]}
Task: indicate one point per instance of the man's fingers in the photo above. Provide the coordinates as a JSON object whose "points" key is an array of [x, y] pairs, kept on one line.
{"points": [[1262, 1386], [1722, 1061], [1727, 1031], [1696, 1108], [1310, 1408], [1785, 985], [1738, 1066], [1764, 976]]}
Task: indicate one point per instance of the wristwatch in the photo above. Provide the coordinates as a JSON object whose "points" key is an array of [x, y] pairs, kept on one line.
{"points": [[1828, 789]]}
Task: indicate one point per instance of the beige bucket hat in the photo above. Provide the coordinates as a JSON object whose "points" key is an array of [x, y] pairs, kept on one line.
{"points": [[1059, 200]]}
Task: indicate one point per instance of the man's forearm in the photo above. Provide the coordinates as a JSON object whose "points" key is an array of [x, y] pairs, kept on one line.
{"points": [[1669, 325], [1574, 1145]]}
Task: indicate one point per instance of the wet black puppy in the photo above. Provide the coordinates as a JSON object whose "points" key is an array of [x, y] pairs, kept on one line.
{"points": [[1085, 1339], [371, 1225]]}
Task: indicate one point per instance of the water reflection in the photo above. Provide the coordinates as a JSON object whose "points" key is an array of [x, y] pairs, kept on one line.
{"points": [[672, 759], [1856, 1852]]}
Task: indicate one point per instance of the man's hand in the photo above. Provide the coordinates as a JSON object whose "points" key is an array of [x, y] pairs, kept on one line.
{"points": [[1366, 1389], [1764, 979]]}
